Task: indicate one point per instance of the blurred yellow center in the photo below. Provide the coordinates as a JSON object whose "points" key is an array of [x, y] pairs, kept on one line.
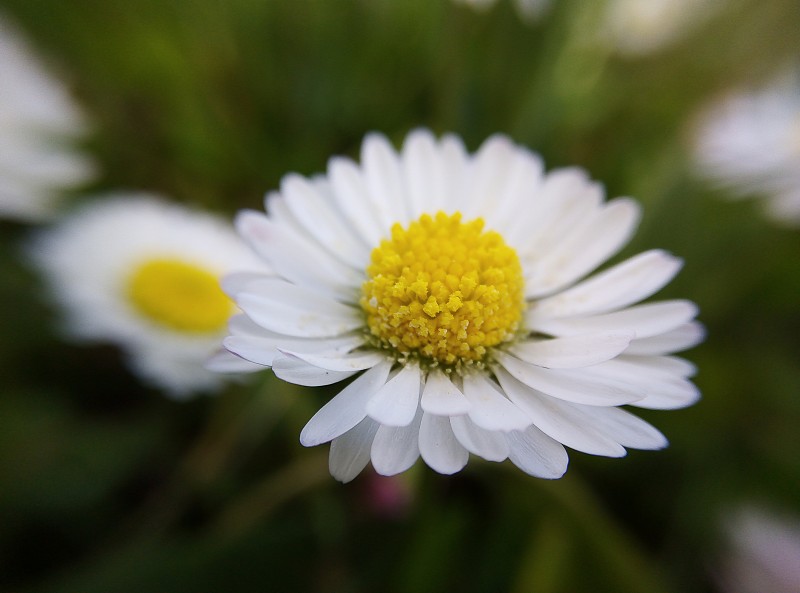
{"points": [[443, 291], [179, 295]]}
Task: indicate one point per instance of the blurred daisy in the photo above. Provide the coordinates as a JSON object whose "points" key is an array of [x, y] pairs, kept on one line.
{"points": [[638, 27], [749, 143], [37, 120], [763, 555], [140, 272], [528, 9], [449, 286]]}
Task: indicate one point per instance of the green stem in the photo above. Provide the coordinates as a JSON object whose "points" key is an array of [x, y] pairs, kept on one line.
{"points": [[635, 571], [303, 474]]}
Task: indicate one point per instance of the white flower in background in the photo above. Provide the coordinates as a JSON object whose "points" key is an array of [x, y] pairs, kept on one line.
{"points": [[449, 286], [749, 143], [639, 27], [763, 554], [37, 121], [143, 273], [528, 9]]}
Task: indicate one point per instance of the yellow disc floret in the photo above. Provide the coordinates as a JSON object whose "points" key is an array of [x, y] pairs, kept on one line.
{"points": [[179, 295], [443, 291]]}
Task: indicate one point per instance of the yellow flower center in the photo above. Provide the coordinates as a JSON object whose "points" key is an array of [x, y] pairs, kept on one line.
{"points": [[443, 291], [179, 295]]}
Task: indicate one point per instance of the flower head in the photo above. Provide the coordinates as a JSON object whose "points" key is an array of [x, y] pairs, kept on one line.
{"points": [[749, 143], [37, 117], [450, 285], [143, 273]]}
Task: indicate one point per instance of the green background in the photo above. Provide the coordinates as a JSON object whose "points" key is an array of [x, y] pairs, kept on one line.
{"points": [[110, 487]]}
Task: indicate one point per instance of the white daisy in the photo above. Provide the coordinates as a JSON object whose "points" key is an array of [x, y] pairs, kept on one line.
{"points": [[143, 273], [37, 118], [640, 27], [749, 143], [449, 285]]}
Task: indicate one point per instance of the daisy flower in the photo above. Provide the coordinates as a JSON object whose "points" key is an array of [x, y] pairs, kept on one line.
{"points": [[637, 27], [37, 118], [449, 286], [140, 272], [749, 143]]}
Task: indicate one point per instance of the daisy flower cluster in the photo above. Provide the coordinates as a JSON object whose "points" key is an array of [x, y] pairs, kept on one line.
{"points": [[37, 122], [458, 294], [135, 270], [749, 143]]}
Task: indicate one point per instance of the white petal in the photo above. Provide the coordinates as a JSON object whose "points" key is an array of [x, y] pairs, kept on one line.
{"points": [[559, 419], [396, 402], [681, 338], [583, 249], [357, 361], [644, 321], [624, 284], [349, 453], [537, 454], [490, 165], [681, 394], [490, 408], [24, 201], [565, 197], [227, 362], [28, 160], [288, 309], [262, 349], [237, 282], [254, 350], [354, 199], [627, 429], [642, 370], [438, 445], [275, 204], [491, 445], [559, 189], [573, 351], [323, 185], [424, 174], [384, 180], [396, 448], [241, 324], [569, 385], [320, 219], [455, 162], [293, 370], [296, 258], [440, 396], [671, 365], [346, 409], [517, 193], [653, 377]]}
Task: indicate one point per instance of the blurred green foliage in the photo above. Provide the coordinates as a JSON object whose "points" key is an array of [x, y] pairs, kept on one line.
{"points": [[108, 486]]}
